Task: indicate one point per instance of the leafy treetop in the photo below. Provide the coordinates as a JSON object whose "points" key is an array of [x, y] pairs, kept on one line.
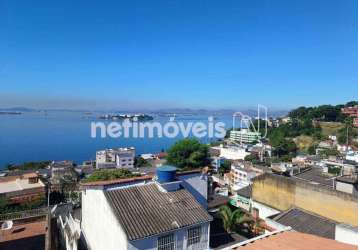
{"points": [[188, 153]]}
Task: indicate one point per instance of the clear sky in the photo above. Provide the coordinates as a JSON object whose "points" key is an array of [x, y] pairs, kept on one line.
{"points": [[187, 54]]}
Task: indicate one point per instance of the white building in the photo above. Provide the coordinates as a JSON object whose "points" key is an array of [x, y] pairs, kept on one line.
{"points": [[242, 174], [146, 214], [244, 136], [115, 158], [232, 152]]}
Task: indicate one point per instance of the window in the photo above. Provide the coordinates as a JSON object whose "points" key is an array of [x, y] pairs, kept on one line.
{"points": [[194, 235], [166, 242]]}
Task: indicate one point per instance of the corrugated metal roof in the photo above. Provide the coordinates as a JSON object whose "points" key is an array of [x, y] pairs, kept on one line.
{"points": [[306, 222], [144, 211]]}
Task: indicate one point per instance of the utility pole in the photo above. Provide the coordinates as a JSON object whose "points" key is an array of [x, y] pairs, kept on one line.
{"points": [[347, 142]]}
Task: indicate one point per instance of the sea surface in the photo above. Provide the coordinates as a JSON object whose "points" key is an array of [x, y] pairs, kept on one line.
{"points": [[66, 135]]}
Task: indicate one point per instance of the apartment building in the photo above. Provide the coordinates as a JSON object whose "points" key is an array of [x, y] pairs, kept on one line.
{"points": [[242, 173], [244, 136], [115, 158]]}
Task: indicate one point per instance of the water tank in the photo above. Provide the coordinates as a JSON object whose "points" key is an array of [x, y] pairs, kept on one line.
{"points": [[166, 173]]}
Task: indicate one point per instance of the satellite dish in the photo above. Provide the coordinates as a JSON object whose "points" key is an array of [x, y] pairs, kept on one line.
{"points": [[7, 225]]}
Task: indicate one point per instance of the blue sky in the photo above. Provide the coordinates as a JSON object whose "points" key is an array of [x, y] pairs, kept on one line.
{"points": [[188, 54]]}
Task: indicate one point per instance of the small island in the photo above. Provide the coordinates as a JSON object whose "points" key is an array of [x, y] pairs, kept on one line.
{"points": [[120, 117], [10, 113]]}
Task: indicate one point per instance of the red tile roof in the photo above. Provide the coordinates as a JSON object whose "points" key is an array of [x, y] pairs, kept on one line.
{"points": [[295, 241], [25, 230]]}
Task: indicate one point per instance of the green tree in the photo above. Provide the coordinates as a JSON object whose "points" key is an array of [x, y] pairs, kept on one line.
{"points": [[225, 167], [231, 219], [140, 162], [311, 149], [188, 153]]}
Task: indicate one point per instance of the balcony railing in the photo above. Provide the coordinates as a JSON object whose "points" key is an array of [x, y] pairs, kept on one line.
{"points": [[24, 214]]}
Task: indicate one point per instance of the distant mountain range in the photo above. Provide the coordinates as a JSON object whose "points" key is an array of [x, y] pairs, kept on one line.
{"points": [[178, 111]]}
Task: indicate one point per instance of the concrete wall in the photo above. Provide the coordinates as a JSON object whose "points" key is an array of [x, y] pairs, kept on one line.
{"points": [[99, 225], [283, 193], [180, 237], [344, 187], [346, 234], [276, 193], [264, 211]]}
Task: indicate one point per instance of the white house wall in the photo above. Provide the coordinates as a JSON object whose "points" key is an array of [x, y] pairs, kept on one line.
{"points": [[180, 237], [99, 225]]}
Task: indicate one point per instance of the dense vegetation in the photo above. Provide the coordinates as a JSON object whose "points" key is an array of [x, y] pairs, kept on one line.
{"points": [[11, 208], [29, 165], [109, 174], [328, 113], [305, 121], [188, 153]]}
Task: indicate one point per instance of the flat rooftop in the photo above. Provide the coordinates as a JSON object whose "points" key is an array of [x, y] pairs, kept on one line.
{"points": [[29, 236], [315, 175], [16, 184]]}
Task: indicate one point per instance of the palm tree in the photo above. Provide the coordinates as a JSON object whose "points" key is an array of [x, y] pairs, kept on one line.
{"points": [[232, 218]]}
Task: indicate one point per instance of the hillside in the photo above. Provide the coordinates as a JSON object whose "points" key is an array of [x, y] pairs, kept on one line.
{"points": [[331, 128]]}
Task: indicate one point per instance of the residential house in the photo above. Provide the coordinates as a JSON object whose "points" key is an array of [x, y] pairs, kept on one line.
{"points": [[22, 189], [149, 212]]}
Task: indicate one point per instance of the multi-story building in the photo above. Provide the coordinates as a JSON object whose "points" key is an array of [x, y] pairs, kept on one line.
{"points": [[244, 136], [242, 174], [115, 158], [22, 189]]}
